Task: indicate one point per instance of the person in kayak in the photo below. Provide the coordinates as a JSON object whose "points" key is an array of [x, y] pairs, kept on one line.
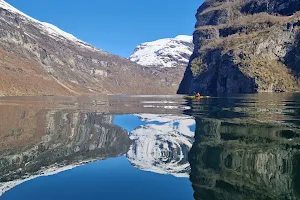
{"points": [[197, 95]]}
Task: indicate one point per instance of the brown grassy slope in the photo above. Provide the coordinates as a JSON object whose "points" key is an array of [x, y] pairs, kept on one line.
{"points": [[20, 76]]}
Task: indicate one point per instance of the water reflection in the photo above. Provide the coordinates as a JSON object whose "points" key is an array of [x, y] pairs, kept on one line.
{"points": [[246, 147], [40, 143], [162, 144], [244, 160], [37, 142], [268, 108]]}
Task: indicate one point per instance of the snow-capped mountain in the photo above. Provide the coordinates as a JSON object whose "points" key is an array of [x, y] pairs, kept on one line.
{"points": [[169, 52], [162, 145], [41, 59]]}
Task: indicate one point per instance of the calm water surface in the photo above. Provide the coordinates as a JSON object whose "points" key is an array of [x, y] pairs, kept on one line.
{"points": [[150, 147]]}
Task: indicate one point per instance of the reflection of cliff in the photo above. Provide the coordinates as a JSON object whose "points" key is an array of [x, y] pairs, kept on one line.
{"points": [[162, 145], [244, 161], [277, 108], [69, 139]]}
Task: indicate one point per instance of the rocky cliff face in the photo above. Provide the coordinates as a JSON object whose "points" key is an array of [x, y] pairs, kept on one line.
{"points": [[39, 59], [244, 47]]}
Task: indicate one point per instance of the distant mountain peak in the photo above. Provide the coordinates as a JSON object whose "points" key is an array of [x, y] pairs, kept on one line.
{"points": [[168, 52]]}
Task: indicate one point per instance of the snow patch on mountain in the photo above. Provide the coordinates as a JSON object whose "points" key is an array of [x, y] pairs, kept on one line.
{"points": [[169, 52], [47, 28], [162, 145]]}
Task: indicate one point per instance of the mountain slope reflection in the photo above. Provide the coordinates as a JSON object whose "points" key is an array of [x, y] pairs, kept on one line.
{"points": [[162, 145], [244, 161], [37, 142], [59, 140]]}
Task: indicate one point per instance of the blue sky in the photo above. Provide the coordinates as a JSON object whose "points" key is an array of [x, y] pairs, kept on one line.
{"points": [[116, 26]]}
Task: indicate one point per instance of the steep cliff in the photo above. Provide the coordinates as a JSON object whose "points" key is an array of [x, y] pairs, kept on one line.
{"points": [[245, 47], [37, 58]]}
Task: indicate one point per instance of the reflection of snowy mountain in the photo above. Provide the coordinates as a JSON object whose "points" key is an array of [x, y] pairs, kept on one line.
{"points": [[162, 145]]}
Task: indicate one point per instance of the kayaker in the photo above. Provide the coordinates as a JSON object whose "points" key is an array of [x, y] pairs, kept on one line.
{"points": [[198, 95]]}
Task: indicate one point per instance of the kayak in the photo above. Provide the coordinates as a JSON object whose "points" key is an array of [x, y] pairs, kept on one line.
{"points": [[194, 97]]}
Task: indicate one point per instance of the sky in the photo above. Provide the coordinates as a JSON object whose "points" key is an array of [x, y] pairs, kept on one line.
{"points": [[116, 26]]}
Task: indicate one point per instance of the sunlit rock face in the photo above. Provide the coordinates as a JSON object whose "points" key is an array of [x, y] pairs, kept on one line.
{"points": [[65, 139], [162, 145], [244, 161]]}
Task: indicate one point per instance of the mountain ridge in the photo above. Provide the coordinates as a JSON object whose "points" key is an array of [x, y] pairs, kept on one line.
{"points": [[40, 59]]}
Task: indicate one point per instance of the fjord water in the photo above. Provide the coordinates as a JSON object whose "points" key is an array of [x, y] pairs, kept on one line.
{"points": [[150, 147]]}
